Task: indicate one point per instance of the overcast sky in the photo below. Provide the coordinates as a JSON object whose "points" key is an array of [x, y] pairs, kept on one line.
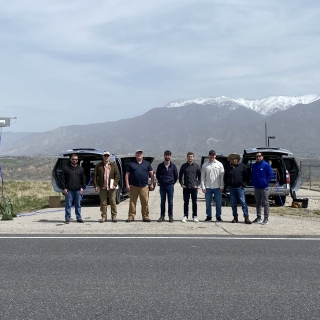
{"points": [[80, 62]]}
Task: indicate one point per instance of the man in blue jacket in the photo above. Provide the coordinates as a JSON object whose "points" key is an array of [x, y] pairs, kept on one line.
{"points": [[261, 176], [167, 175]]}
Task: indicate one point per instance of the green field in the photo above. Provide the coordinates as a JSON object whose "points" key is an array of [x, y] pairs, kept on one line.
{"points": [[27, 196]]}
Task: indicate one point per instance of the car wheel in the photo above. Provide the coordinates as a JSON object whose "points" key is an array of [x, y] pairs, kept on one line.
{"points": [[280, 200], [293, 194], [118, 196], [250, 199]]}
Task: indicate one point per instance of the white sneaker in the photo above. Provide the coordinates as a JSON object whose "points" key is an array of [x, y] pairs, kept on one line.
{"points": [[185, 219], [195, 219]]}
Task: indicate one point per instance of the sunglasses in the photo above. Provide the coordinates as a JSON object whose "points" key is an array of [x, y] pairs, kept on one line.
{"points": [[106, 155]]}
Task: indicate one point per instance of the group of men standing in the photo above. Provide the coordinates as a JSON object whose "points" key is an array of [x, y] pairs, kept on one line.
{"points": [[212, 178]]}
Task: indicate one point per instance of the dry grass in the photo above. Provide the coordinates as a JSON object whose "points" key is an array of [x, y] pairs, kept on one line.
{"points": [[27, 196], [289, 211]]}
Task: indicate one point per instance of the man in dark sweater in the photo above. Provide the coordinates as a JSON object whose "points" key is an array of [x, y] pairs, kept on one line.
{"points": [[189, 178], [73, 182], [235, 179], [167, 175]]}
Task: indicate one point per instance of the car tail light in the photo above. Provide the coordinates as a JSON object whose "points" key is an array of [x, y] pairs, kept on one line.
{"points": [[287, 177]]}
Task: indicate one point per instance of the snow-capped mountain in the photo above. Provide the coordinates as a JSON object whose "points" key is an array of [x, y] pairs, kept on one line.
{"points": [[266, 106]]}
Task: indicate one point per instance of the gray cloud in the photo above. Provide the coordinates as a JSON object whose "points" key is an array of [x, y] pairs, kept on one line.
{"points": [[76, 62]]}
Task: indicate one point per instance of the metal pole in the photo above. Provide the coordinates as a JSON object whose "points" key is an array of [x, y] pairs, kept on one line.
{"points": [[310, 175], [265, 132]]}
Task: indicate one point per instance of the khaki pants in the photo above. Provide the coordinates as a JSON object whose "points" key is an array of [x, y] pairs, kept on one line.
{"points": [[143, 193], [103, 203]]}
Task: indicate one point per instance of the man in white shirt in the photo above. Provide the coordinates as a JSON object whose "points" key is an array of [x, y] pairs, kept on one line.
{"points": [[212, 183]]}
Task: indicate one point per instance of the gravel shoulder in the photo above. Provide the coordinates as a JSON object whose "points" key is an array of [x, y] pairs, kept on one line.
{"points": [[284, 221]]}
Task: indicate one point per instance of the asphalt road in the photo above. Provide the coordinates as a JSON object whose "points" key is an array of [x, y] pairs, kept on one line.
{"points": [[148, 278]]}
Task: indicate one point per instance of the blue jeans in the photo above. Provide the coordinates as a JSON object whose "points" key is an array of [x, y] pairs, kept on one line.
{"points": [[235, 194], [166, 190], [186, 197], [73, 196], [217, 198]]}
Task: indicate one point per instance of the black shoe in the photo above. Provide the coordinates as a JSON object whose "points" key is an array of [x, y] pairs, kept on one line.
{"points": [[114, 220], [219, 219], [146, 220], [208, 219], [67, 221], [80, 220], [171, 219], [161, 219]]}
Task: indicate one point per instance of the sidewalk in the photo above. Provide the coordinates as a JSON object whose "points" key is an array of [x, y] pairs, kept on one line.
{"points": [[51, 221]]}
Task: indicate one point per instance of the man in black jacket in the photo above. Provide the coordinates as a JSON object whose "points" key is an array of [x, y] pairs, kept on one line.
{"points": [[73, 182], [235, 179], [167, 175], [189, 178]]}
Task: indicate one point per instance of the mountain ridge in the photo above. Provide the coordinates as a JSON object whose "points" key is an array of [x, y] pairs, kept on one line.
{"points": [[195, 127]]}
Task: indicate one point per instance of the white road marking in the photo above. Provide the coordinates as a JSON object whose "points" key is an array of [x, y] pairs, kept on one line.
{"points": [[155, 237]]}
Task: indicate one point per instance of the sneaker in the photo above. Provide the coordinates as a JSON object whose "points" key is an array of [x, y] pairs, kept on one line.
{"points": [[195, 219], [171, 219], [208, 219], [265, 221], [219, 219], [257, 220], [102, 220], [161, 219], [129, 220], [146, 220], [185, 219]]}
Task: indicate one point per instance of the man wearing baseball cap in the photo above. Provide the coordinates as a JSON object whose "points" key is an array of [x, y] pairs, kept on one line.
{"points": [[137, 175], [106, 177], [212, 173]]}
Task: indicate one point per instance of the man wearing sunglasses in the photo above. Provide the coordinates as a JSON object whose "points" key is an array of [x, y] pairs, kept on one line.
{"points": [[261, 176], [106, 178], [73, 180]]}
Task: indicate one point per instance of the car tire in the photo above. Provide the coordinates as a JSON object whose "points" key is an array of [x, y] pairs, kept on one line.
{"points": [[293, 194], [118, 196], [280, 200], [250, 199]]}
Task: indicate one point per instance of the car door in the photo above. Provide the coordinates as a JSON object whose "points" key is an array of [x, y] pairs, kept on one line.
{"points": [[294, 171], [57, 173]]}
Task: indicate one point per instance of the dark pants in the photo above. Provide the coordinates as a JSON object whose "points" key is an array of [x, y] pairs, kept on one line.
{"points": [[166, 191], [186, 196], [262, 196], [235, 194]]}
